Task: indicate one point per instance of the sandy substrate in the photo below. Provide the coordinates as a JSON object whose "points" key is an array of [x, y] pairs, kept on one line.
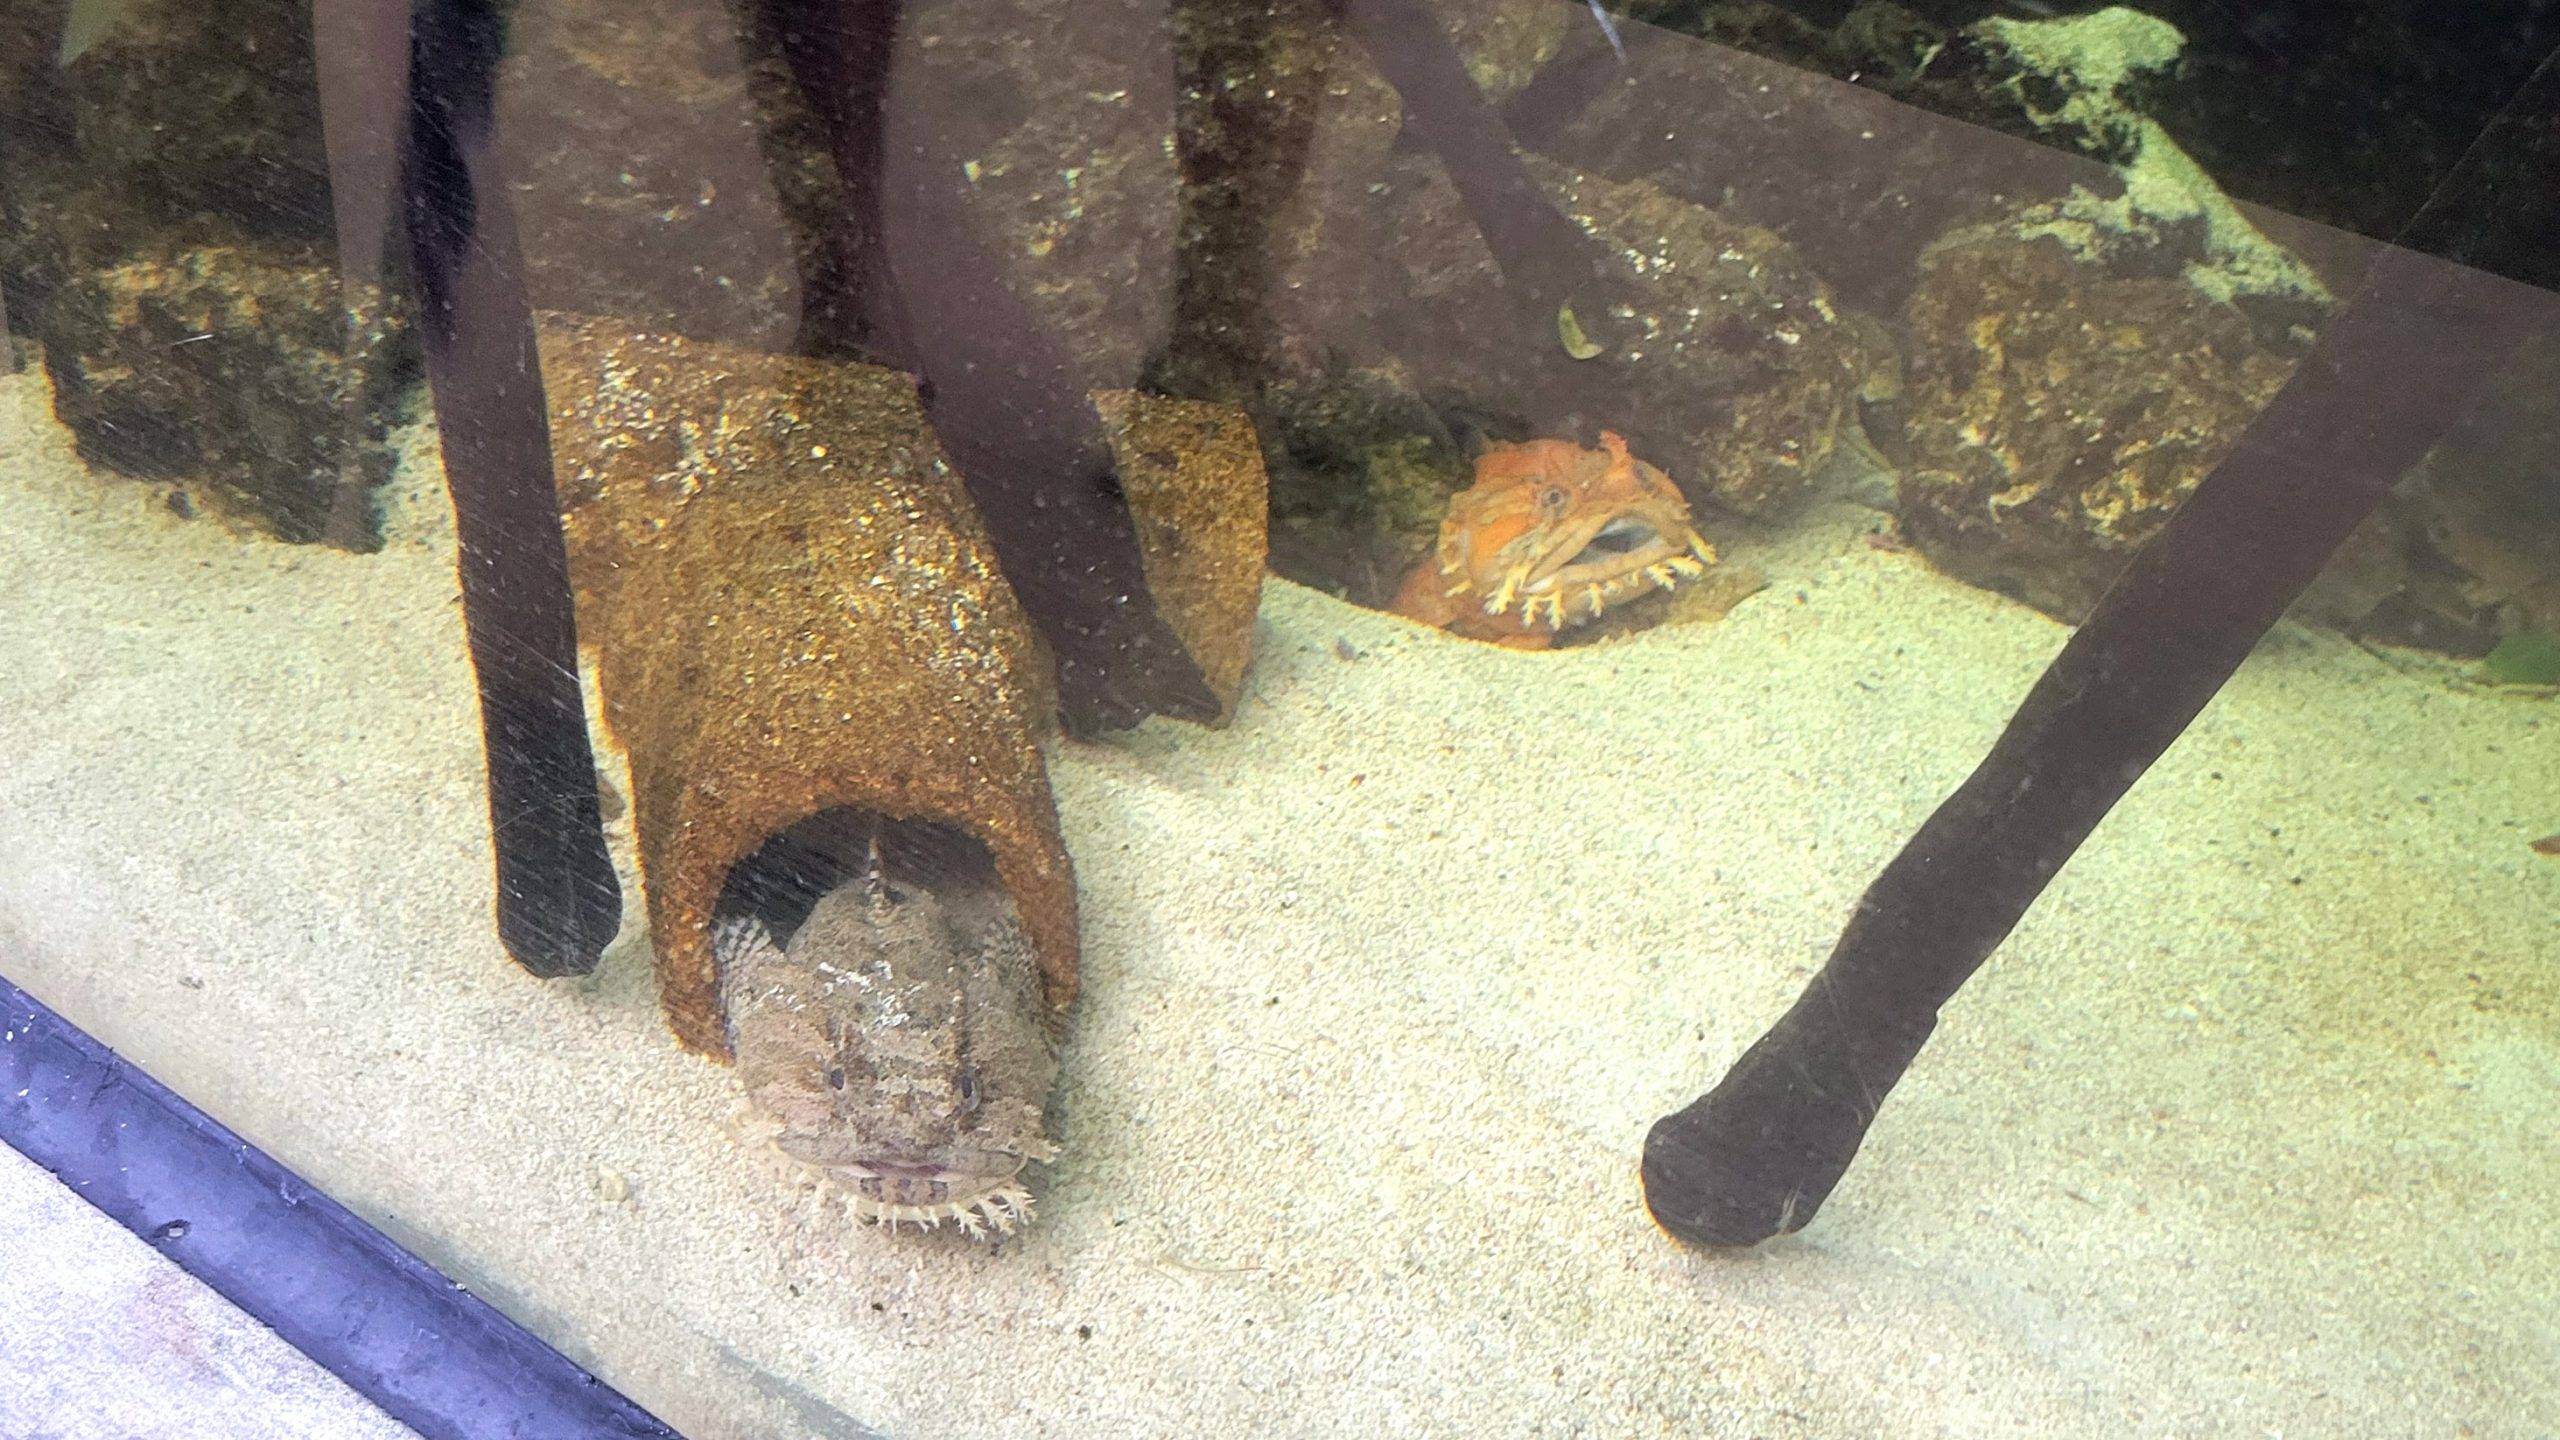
{"points": [[2248, 1131]]}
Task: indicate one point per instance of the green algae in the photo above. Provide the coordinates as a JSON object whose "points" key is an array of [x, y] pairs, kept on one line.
{"points": [[2093, 57], [2528, 657]]}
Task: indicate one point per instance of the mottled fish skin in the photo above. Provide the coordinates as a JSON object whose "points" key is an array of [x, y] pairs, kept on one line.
{"points": [[900, 1042]]}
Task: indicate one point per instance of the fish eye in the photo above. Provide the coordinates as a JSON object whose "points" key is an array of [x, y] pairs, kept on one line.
{"points": [[969, 1089], [1552, 498]]}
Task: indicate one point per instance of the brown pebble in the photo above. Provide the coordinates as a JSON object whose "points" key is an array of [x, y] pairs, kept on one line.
{"points": [[2547, 845], [1711, 599]]}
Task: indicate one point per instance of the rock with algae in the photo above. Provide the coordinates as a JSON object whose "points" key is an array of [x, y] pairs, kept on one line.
{"points": [[139, 116], [2060, 410], [1738, 375], [631, 146], [1757, 126], [247, 374], [1052, 119], [1361, 472], [1342, 292], [1861, 186], [1281, 121], [795, 611], [166, 233], [2085, 62]]}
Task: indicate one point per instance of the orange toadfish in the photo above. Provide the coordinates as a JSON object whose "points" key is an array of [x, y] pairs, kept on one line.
{"points": [[1552, 535]]}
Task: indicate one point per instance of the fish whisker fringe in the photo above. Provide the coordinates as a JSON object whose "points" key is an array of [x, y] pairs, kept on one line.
{"points": [[1002, 1210]]}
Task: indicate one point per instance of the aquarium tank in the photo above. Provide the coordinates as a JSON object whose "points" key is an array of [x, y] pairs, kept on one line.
{"points": [[933, 718]]}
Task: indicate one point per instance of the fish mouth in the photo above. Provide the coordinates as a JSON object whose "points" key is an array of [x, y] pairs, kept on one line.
{"points": [[1597, 565], [1625, 545], [980, 1192]]}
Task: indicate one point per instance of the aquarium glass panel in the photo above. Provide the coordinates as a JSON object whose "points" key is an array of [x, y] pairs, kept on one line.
{"points": [[1326, 717]]}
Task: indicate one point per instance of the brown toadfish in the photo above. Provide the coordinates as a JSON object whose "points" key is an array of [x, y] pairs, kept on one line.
{"points": [[1552, 535], [897, 1041]]}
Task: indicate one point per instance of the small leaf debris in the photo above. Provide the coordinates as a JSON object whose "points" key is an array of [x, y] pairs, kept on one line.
{"points": [[1569, 330]]}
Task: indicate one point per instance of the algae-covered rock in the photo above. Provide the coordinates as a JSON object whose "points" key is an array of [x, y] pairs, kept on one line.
{"points": [[1056, 121], [1745, 373], [1743, 112], [2079, 363], [1361, 472], [170, 243], [2019, 111], [2348, 115], [1737, 374], [2060, 411], [2079, 366], [242, 373], [1061, 118], [172, 113], [638, 171], [1337, 288], [1279, 115], [2084, 65], [1283, 126]]}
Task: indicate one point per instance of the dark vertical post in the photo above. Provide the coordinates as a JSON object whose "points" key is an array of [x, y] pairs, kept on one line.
{"points": [[557, 900]]}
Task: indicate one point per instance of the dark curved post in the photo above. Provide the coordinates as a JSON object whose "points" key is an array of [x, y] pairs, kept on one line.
{"points": [[1757, 1155], [557, 900]]}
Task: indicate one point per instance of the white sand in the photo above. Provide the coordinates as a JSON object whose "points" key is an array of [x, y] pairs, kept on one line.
{"points": [[2247, 1132]]}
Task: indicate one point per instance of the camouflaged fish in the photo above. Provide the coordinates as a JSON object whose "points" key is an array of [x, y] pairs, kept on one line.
{"points": [[897, 1041]]}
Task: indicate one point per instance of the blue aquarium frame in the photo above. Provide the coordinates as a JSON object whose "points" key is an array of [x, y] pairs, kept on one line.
{"points": [[415, 1342]]}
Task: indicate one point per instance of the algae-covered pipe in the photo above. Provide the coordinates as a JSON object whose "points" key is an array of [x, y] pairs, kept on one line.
{"points": [[1758, 1154], [558, 903]]}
